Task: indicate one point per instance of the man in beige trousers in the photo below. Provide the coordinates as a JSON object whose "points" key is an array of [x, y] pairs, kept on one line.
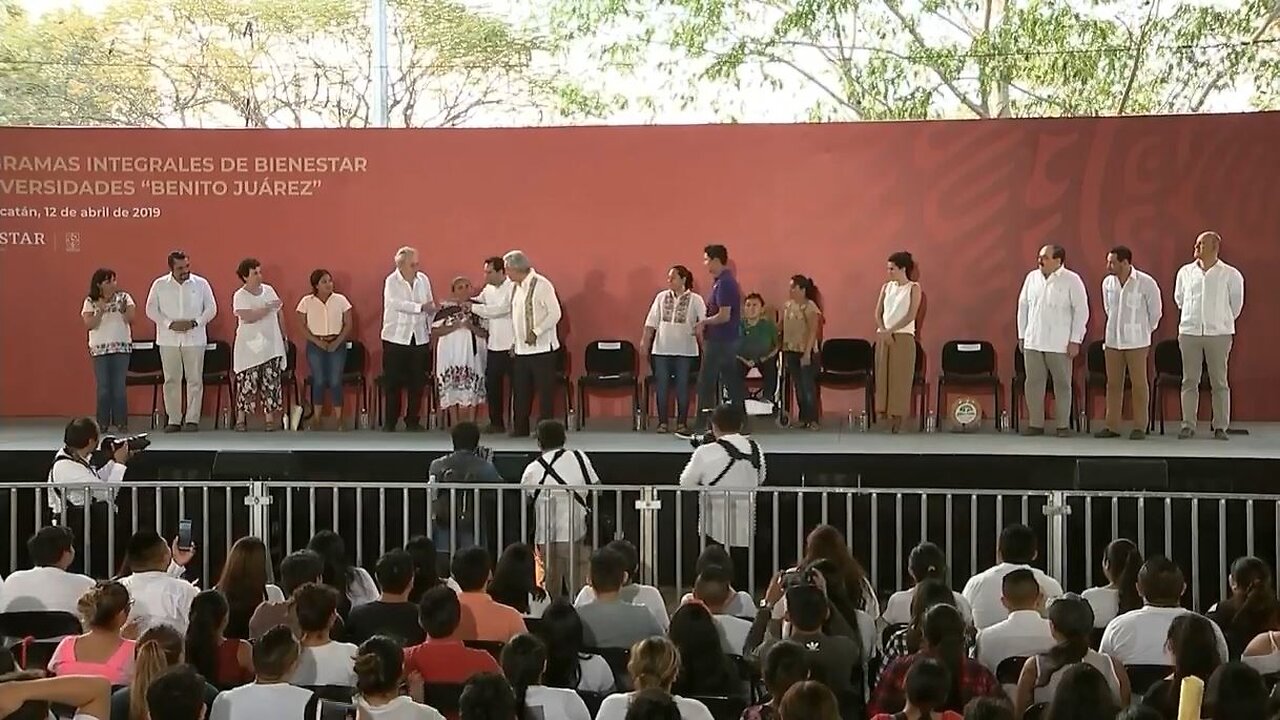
{"points": [[1053, 312], [1131, 299], [1210, 294]]}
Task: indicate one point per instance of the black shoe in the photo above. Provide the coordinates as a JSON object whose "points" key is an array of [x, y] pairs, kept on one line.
{"points": [[191, 427], [413, 427], [1220, 434], [1064, 433], [1029, 431], [1106, 433], [172, 428], [1186, 433], [492, 429]]}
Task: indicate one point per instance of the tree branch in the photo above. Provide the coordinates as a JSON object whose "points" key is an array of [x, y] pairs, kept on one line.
{"points": [[910, 27]]}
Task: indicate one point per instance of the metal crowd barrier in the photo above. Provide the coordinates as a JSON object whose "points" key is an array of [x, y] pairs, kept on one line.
{"points": [[1203, 533]]}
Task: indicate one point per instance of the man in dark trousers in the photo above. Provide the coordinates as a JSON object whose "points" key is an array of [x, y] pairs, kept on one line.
{"points": [[722, 337], [535, 312], [494, 305]]}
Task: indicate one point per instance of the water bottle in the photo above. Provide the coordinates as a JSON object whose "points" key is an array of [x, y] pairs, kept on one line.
{"points": [[155, 418], [1004, 421], [573, 420], [931, 424], [1081, 421], [363, 420], [864, 423], [638, 421], [851, 425], [226, 418]]}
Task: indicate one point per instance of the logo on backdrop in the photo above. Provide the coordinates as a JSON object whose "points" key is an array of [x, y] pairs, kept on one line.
{"points": [[72, 242]]}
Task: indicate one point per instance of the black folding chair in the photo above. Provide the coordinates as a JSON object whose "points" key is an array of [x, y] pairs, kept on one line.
{"points": [[333, 693], [492, 647], [849, 363], [353, 375], [1142, 677], [146, 370], [1009, 669], [218, 375], [607, 365], [617, 659], [968, 364], [1168, 367], [32, 636], [443, 697]]}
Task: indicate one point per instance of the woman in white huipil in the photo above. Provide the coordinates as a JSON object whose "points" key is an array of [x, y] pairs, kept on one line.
{"points": [[896, 340], [258, 354], [107, 312]]}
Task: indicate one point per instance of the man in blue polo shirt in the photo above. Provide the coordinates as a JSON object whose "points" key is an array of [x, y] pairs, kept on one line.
{"points": [[721, 333]]}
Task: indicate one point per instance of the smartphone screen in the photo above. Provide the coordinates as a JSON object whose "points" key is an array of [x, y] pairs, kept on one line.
{"points": [[184, 535]]}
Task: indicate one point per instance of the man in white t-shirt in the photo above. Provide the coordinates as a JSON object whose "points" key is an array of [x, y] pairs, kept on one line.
{"points": [[321, 660], [275, 656], [181, 304], [1017, 549], [1140, 637], [560, 516], [714, 589], [48, 585], [1024, 633]]}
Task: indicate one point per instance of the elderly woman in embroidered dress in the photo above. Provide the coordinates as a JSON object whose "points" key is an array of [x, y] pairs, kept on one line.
{"points": [[258, 356], [669, 335], [460, 353]]}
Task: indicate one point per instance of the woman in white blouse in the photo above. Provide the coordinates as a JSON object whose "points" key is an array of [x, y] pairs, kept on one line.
{"points": [[523, 661], [669, 335], [325, 316], [654, 663], [258, 355], [107, 312], [896, 310]]}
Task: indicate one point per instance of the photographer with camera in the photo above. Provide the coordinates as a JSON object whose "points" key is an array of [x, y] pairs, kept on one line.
{"points": [[468, 463], [732, 465], [85, 461]]}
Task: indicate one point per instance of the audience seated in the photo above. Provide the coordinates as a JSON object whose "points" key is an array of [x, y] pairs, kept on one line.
{"points": [[244, 584], [653, 704], [654, 664], [159, 593], [906, 641], [1024, 633], [275, 656], [442, 658], [102, 651], [740, 603], [48, 585], [391, 614], [705, 669], [567, 666], [988, 708], [609, 621], [1071, 622], [927, 686], [1252, 608], [523, 661], [1083, 694], [809, 700], [1263, 653], [1120, 563], [714, 590], [487, 696], [30, 694], [785, 664], [826, 543], [1195, 652], [354, 585], [297, 569], [1016, 549], [639, 593], [1138, 637], [379, 668], [926, 562], [176, 694], [482, 617], [158, 649], [1235, 690], [834, 657], [321, 661], [426, 568], [227, 662], [514, 582], [944, 631]]}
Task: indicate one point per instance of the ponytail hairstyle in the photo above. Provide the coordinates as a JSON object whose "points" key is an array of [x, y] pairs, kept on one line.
{"points": [[561, 631], [425, 575], [927, 562], [207, 619], [1071, 617], [159, 648], [1253, 606], [806, 284], [1194, 646], [654, 663], [379, 666], [105, 606], [522, 661], [685, 275], [1123, 561], [944, 642]]}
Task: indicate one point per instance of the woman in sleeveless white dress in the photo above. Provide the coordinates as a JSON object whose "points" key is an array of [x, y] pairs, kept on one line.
{"points": [[896, 341]]}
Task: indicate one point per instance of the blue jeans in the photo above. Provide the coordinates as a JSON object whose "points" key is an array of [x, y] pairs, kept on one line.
{"points": [[665, 369], [326, 373], [109, 372], [720, 365], [804, 380]]}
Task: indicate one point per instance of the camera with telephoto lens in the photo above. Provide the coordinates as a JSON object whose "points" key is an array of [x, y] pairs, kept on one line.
{"points": [[107, 447], [706, 438]]}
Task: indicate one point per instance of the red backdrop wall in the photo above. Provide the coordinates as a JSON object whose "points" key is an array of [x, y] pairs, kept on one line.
{"points": [[604, 211]]}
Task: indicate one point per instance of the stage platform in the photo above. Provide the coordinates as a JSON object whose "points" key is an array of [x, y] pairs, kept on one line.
{"points": [[1246, 463]]}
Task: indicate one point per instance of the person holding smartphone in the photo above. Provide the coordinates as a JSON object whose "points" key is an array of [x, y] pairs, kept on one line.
{"points": [[258, 356]]}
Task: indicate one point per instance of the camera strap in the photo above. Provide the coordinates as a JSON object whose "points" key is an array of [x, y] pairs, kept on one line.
{"points": [[735, 455], [548, 470]]}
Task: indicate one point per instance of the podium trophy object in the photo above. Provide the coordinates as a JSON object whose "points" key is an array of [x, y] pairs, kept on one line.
{"points": [[966, 415]]}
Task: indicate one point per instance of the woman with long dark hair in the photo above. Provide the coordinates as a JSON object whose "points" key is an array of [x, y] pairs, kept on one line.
{"points": [[353, 583], [1121, 562], [896, 311], [1071, 621], [325, 318], [567, 666], [514, 581], [425, 573], [1252, 609], [671, 343], [926, 562], [801, 327], [909, 639], [944, 641], [1083, 694], [1194, 647], [826, 542], [244, 584], [108, 312], [226, 662], [523, 661], [1235, 691], [704, 668], [379, 668]]}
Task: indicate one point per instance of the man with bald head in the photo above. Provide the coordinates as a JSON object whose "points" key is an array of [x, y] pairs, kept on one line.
{"points": [[535, 312], [407, 307], [1053, 311], [1210, 295]]}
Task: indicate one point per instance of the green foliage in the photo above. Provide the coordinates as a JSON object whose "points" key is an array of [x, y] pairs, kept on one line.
{"points": [[898, 59]]}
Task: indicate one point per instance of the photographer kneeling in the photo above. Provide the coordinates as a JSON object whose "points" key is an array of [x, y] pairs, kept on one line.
{"points": [[80, 463], [732, 464]]}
